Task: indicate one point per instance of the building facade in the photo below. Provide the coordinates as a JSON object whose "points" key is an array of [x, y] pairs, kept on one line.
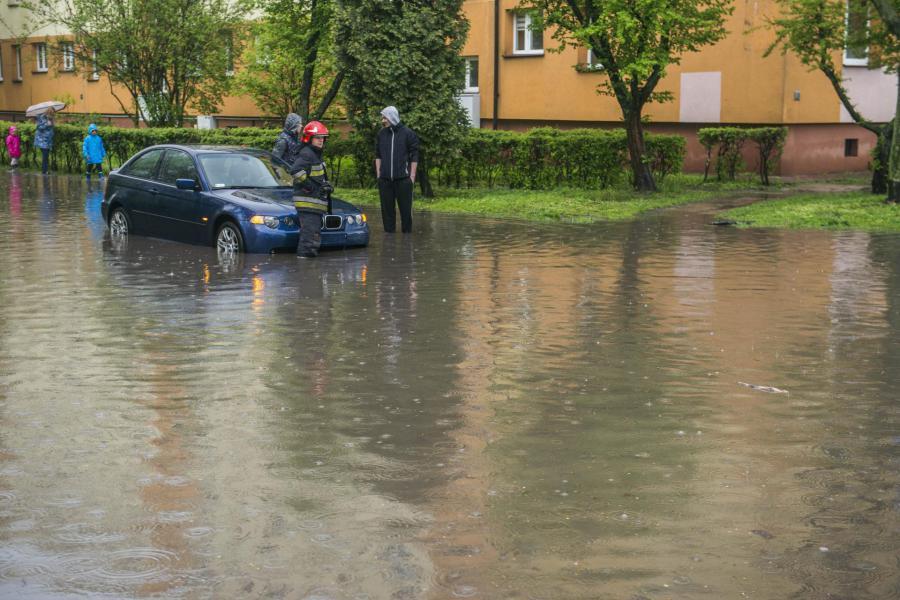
{"points": [[514, 82]]}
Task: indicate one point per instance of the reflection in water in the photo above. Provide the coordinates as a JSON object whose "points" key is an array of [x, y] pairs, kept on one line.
{"points": [[483, 409]]}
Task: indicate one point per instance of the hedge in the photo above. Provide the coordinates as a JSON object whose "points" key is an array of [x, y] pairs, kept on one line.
{"points": [[728, 142], [541, 158]]}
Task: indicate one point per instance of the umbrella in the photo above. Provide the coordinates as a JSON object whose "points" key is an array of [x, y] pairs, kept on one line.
{"points": [[39, 109]]}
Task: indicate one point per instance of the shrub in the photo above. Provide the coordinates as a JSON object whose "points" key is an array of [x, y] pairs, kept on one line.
{"points": [[541, 158], [729, 141]]}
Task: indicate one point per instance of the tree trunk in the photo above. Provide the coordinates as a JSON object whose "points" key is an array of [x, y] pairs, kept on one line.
{"points": [[641, 175], [882, 159], [894, 170], [422, 175]]}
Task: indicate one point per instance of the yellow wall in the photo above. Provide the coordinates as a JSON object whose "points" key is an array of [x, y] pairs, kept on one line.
{"points": [[547, 87], [544, 88]]}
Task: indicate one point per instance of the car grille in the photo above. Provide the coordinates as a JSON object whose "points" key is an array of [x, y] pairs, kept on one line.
{"points": [[333, 222]]}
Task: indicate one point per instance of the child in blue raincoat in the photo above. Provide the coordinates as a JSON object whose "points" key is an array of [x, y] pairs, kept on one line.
{"points": [[93, 151]]}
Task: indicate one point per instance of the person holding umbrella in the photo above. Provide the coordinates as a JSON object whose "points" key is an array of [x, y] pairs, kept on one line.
{"points": [[43, 137]]}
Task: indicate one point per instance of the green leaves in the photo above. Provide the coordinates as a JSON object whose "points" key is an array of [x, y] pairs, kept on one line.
{"points": [[167, 54], [405, 54]]}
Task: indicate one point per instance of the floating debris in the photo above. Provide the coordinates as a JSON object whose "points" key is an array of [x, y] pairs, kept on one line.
{"points": [[764, 388], [762, 533]]}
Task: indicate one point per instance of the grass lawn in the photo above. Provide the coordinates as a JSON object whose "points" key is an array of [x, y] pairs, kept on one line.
{"points": [[855, 210], [565, 204]]}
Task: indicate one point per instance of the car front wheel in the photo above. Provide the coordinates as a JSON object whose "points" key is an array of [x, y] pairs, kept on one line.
{"points": [[118, 223], [228, 239]]}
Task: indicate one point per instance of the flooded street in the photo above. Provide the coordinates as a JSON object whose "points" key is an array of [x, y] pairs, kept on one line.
{"points": [[484, 409]]}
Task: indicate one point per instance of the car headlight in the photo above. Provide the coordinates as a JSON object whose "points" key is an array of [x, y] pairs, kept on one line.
{"points": [[270, 222]]}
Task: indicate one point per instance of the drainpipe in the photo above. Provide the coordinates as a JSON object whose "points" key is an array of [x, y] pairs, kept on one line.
{"points": [[496, 61]]}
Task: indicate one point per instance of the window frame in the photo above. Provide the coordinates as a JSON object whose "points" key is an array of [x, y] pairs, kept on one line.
{"points": [[95, 73], [1, 63], [852, 61], [67, 51], [468, 88], [17, 50], [40, 57], [529, 49]]}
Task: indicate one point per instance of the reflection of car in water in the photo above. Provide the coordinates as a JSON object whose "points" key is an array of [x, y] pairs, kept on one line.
{"points": [[173, 273], [236, 199]]}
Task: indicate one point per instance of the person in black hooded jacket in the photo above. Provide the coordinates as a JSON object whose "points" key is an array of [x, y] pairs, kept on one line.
{"points": [[396, 160], [287, 145]]}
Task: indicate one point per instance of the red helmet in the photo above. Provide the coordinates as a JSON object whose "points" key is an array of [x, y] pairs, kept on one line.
{"points": [[313, 129]]}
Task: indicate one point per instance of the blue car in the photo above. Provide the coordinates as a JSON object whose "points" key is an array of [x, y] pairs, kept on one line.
{"points": [[235, 199]]}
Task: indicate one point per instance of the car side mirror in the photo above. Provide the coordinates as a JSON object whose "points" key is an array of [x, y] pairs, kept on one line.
{"points": [[187, 184]]}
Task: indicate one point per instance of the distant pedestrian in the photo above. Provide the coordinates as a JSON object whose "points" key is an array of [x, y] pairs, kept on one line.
{"points": [[43, 138], [396, 160], [288, 144], [93, 151], [13, 146]]}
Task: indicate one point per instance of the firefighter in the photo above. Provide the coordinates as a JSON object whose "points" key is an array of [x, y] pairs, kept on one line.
{"points": [[312, 192]]}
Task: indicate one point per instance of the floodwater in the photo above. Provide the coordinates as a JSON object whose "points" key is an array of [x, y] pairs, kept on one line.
{"points": [[484, 409]]}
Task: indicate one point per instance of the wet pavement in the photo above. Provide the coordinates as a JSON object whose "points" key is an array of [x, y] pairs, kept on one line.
{"points": [[484, 409]]}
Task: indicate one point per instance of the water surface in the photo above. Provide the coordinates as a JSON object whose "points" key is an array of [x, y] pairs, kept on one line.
{"points": [[484, 409]]}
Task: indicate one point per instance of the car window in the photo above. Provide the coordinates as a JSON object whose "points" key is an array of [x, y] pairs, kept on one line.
{"points": [[238, 170], [178, 165], [144, 165]]}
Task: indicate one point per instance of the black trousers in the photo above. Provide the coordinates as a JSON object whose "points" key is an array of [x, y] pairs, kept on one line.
{"points": [[45, 160], [310, 232], [399, 191], [94, 167]]}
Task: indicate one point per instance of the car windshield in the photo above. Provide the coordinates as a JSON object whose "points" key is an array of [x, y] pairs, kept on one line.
{"points": [[234, 170]]}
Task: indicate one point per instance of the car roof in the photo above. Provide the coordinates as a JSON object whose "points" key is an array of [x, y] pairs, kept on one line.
{"points": [[204, 148]]}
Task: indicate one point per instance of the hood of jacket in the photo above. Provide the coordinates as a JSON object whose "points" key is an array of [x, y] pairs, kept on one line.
{"points": [[291, 122], [92, 128], [12, 129], [391, 114]]}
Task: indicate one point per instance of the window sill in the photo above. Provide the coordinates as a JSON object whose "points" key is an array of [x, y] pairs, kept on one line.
{"points": [[470, 90], [588, 69], [39, 72], [534, 54], [93, 79], [856, 62], [17, 80]]}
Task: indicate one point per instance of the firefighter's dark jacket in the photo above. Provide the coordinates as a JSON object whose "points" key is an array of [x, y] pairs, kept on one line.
{"points": [[396, 146], [310, 177]]}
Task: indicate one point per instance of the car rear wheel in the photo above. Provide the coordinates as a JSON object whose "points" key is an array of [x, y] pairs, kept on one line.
{"points": [[229, 239], [118, 223]]}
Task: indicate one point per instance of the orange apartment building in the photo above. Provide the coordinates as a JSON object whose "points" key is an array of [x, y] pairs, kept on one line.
{"points": [[513, 82]]}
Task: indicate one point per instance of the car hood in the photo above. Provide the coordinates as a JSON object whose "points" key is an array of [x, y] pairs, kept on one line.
{"points": [[259, 200]]}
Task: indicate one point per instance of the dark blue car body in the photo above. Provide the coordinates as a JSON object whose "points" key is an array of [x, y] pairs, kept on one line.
{"points": [[178, 192]]}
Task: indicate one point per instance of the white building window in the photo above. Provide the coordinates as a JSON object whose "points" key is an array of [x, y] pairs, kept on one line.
{"points": [[68, 56], [526, 39], [471, 84], [1, 66], [40, 57], [855, 52], [18, 52], [95, 72], [592, 63]]}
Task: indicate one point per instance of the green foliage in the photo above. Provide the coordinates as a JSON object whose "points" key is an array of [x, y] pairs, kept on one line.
{"points": [[728, 143], [168, 54], [405, 54], [635, 42], [857, 210], [770, 144], [539, 159], [290, 65]]}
